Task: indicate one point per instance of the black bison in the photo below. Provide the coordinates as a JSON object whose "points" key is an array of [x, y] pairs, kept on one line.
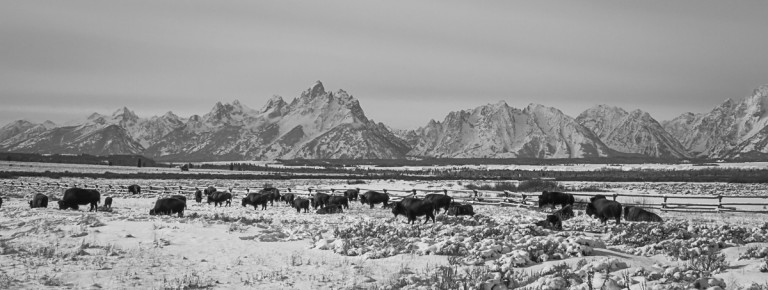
{"points": [[414, 207], [78, 196], [288, 198], [220, 196], [179, 196], [457, 209], [552, 222], [134, 189], [39, 200], [108, 202], [319, 200], [168, 206], [340, 200], [300, 203], [372, 197], [330, 208], [255, 198], [564, 213], [554, 198], [639, 214], [440, 201], [198, 196], [208, 191], [352, 194], [271, 193], [604, 209]]}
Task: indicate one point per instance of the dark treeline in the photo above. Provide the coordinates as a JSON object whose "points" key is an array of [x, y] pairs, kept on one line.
{"points": [[116, 160], [703, 175]]}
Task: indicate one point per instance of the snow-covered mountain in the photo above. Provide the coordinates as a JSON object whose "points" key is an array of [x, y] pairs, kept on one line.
{"points": [[733, 129], [318, 124], [631, 132], [501, 131]]}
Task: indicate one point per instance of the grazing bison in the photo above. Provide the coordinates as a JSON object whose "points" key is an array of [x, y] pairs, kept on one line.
{"points": [[288, 198], [198, 196], [179, 196], [639, 214], [352, 194], [108, 202], [220, 196], [554, 198], [330, 208], [457, 209], [604, 209], [168, 206], [552, 222], [208, 191], [78, 196], [414, 207], [564, 213], [319, 200], [271, 193], [300, 203], [134, 189], [373, 197], [440, 201], [340, 200], [255, 198], [39, 200]]}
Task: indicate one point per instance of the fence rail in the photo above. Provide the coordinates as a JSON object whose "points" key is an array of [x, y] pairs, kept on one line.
{"points": [[475, 197]]}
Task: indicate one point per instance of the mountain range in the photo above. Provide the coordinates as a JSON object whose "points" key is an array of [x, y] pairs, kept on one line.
{"points": [[321, 124]]}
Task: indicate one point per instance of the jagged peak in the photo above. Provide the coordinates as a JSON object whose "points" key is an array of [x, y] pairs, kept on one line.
{"points": [[95, 116], [316, 90], [170, 115], [761, 91], [49, 124], [274, 102], [125, 114]]}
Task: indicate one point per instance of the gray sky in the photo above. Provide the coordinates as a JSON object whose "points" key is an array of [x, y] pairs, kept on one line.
{"points": [[406, 61]]}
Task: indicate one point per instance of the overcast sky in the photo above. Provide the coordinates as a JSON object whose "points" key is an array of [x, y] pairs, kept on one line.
{"points": [[406, 61]]}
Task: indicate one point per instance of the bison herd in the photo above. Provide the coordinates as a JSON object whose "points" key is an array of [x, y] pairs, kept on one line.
{"points": [[598, 207]]}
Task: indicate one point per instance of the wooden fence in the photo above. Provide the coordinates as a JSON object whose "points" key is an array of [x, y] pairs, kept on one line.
{"points": [[475, 197]]}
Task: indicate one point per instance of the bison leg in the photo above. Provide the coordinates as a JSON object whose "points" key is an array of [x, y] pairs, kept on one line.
{"points": [[383, 206], [371, 205], [181, 213]]}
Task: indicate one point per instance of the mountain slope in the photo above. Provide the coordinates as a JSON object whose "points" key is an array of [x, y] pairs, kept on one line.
{"points": [[720, 132], [631, 132], [500, 131]]}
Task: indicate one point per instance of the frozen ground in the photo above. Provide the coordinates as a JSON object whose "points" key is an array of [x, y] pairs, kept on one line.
{"points": [[236, 247]]}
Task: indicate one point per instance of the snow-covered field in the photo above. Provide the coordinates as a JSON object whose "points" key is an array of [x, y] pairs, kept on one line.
{"points": [[278, 248]]}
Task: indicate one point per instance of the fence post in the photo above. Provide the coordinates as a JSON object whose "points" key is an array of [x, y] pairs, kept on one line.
{"points": [[719, 201], [524, 197], [475, 190], [664, 204], [385, 191], [614, 196], [445, 191], [310, 190], [414, 192]]}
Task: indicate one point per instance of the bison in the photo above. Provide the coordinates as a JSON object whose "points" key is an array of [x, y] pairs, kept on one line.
{"points": [[78, 196], [340, 200], [552, 222], [134, 189], [210, 190], [604, 209], [255, 198], [288, 198], [198, 196], [564, 213], [414, 207], [271, 193], [639, 214], [300, 203], [352, 194], [319, 200], [457, 209], [554, 198], [372, 197], [440, 201], [220, 196], [168, 206], [39, 200], [330, 208], [108, 202]]}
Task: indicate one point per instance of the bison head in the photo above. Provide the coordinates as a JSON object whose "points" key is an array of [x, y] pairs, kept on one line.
{"points": [[62, 204], [590, 210], [152, 212], [397, 208]]}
